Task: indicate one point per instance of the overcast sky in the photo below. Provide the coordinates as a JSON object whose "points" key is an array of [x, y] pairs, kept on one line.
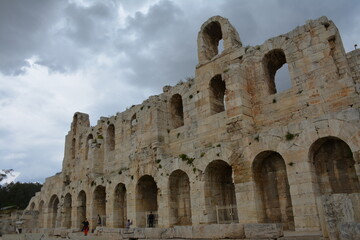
{"points": [[100, 57]]}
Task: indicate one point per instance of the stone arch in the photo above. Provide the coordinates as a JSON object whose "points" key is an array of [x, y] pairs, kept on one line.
{"points": [[177, 111], [272, 189], [41, 214], [53, 211], [273, 61], [99, 206], [32, 206], [146, 199], [334, 166], [120, 206], [179, 198], [89, 138], [211, 33], [67, 207], [220, 200], [217, 88], [81, 208], [110, 137]]}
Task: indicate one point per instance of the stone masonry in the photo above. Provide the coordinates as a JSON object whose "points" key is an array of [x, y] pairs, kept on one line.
{"points": [[225, 149]]}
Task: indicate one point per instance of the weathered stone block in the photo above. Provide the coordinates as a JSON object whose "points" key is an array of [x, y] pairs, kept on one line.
{"points": [[263, 230], [349, 231]]}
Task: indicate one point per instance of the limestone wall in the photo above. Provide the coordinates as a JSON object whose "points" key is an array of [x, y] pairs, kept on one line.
{"points": [[223, 147]]}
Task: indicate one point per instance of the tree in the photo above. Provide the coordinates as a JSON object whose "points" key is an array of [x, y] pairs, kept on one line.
{"points": [[18, 194]]}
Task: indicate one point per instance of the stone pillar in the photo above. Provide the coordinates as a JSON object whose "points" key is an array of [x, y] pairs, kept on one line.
{"points": [[302, 181], [198, 210], [163, 208], [246, 202]]}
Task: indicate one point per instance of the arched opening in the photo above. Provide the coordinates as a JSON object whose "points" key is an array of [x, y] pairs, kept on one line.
{"points": [[73, 150], [146, 200], [81, 208], [32, 206], [180, 206], [120, 208], [276, 71], [89, 140], [220, 200], [41, 214], [217, 94], [67, 211], [110, 137], [212, 36], [177, 112], [334, 165], [133, 122], [53, 211], [100, 204], [273, 190]]}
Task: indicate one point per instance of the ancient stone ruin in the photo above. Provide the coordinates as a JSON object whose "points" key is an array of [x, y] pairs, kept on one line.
{"points": [[226, 154]]}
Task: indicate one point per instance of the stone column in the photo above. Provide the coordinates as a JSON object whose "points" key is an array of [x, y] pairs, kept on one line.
{"points": [[302, 181], [247, 204]]}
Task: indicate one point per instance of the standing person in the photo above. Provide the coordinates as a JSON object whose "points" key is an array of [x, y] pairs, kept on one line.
{"points": [[85, 227], [128, 224], [99, 220], [151, 218]]}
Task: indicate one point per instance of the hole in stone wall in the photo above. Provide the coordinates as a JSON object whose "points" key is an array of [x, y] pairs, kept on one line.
{"points": [[276, 70], [177, 112], [73, 150], [212, 36], [110, 138], [89, 140], [217, 94]]}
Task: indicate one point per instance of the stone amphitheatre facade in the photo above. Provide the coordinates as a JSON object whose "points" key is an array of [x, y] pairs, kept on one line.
{"points": [[223, 152]]}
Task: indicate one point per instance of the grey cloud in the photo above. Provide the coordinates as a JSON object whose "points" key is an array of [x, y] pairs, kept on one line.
{"points": [[23, 29]]}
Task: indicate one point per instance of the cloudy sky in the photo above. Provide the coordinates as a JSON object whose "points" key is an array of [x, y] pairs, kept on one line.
{"points": [[100, 57]]}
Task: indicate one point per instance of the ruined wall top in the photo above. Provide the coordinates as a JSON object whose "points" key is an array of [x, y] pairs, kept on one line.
{"points": [[211, 32]]}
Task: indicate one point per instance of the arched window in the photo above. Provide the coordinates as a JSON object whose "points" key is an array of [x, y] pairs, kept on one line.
{"points": [[212, 36], [276, 71], [81, 208], [146, 200], [120, 211], [89, 140], [110, 137], [217, 94], [99, 208], [133, 123], [73, 148], [180, 207], [177, 112], [220, 193], [272, 189], [67, 211], [334, 165], [53, 211]]}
